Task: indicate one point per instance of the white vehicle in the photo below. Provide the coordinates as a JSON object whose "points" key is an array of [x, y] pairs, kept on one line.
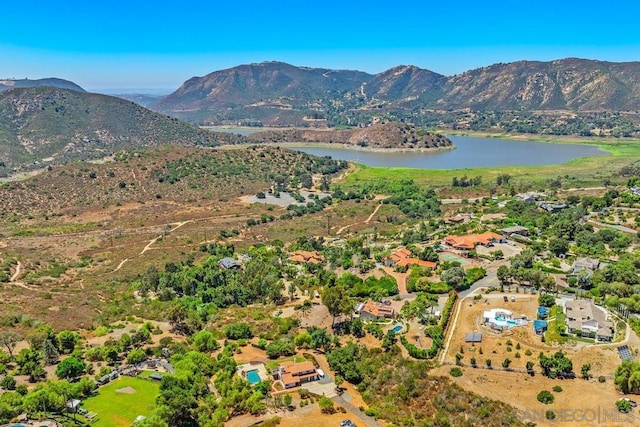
{"points": [[320, 373]]}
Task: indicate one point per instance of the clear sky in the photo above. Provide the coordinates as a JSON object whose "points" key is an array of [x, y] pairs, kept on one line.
{"points": [[159, 44]]}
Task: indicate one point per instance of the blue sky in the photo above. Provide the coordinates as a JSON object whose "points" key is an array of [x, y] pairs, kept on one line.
{"points": [[160, 44]]}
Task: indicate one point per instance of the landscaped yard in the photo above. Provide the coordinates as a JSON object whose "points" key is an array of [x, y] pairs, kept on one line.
{"points": [[557, 326], [121, 401]]}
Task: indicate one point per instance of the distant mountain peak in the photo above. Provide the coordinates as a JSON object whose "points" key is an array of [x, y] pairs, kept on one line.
{"points": [[7, 84], [276, 93]]}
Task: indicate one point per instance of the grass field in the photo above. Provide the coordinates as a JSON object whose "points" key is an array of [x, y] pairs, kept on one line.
{"points": [[121, 409]]}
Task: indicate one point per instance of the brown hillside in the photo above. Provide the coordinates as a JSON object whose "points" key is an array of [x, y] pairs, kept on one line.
{"points": [[386, 136]]}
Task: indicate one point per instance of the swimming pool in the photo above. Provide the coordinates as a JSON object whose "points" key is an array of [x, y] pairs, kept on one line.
{"points": [[253, 377], [508, 323], [397, 329]]}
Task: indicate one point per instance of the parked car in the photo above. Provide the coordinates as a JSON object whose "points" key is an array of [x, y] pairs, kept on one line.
{"points": [[505, 298], [320, 373], [347, 423], [513, 299]]}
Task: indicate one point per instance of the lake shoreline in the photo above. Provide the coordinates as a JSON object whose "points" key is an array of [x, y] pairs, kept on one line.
{"points": [[339, 146]]}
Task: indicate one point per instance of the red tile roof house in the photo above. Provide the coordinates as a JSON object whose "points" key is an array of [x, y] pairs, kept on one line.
{"points": [[295, 374], [470, 241], [371, 310], [402, 258]]}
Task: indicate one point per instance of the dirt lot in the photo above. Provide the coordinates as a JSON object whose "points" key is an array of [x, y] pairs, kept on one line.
{"points": [[521, 389], [581, 403]]}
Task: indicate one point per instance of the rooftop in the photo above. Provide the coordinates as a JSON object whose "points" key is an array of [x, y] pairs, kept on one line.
{"points": [[471, 240], [377, 309]]}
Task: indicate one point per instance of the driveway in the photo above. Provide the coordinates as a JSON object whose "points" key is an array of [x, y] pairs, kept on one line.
{"points": [[324, 387]]}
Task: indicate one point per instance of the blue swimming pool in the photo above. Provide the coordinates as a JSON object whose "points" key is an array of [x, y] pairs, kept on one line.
{"points": [[397, 329], [253, 377]]}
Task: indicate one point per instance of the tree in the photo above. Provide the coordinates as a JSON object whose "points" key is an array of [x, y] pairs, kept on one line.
{"points": [[9, 339], [503, 274], [530, 366], [357, 327], [558, 246], [389, 340], [585, 371], [454, 277], [624, 406], [506, 362], [30, 363], [205, 342], [136, 356], [67, 341], [546, 397], [337, 301], [70, 368], [546, 300], [326, 405], [8, 383], [292, 290], [49, 352], [238, 331], [320, 338]]}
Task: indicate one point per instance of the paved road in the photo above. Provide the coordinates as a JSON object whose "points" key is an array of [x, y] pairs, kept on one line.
{"points": [[362, 418], [491, 279]]}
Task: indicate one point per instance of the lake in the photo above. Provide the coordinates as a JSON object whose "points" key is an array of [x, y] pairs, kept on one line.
{"points": [[470, 152]]}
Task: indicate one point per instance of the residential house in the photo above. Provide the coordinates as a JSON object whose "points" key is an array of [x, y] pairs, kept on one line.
{"points": [[468, 242], [530, 197], [587, 320], [306, 257], [401, 257], [492, 217], [229, 263], [515, 229], [588, 264], [553, 207], [371, 310], [458, 218], [295, 374]]}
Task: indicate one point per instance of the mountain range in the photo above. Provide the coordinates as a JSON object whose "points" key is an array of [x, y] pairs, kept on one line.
{"points": [[275, 93]]}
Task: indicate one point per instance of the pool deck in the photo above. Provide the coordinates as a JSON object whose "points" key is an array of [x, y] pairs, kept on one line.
{"points": [[257, 366]]}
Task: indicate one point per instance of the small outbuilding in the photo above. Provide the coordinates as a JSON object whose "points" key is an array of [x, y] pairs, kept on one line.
{"points": [[543, 312], [473, 337], [539, 326]]}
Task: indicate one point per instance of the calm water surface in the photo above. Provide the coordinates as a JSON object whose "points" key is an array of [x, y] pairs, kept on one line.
{"points": [[470, 152]]}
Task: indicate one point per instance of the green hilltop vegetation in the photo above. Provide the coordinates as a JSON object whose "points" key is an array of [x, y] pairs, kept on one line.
{"points": [[44, 125]]}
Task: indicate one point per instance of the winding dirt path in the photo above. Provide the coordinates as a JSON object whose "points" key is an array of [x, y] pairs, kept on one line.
{"points": [[373, 213], [16, 274]]}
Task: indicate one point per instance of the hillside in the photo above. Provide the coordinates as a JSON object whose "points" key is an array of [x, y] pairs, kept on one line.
{"points": [[173, 175], [386, 136], [25, 83], [275, 93], [274, 87], [44, 125]]}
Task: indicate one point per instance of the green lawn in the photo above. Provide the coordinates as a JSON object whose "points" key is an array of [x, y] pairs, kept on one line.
{"points": [[120, 409], [557, 326]]}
